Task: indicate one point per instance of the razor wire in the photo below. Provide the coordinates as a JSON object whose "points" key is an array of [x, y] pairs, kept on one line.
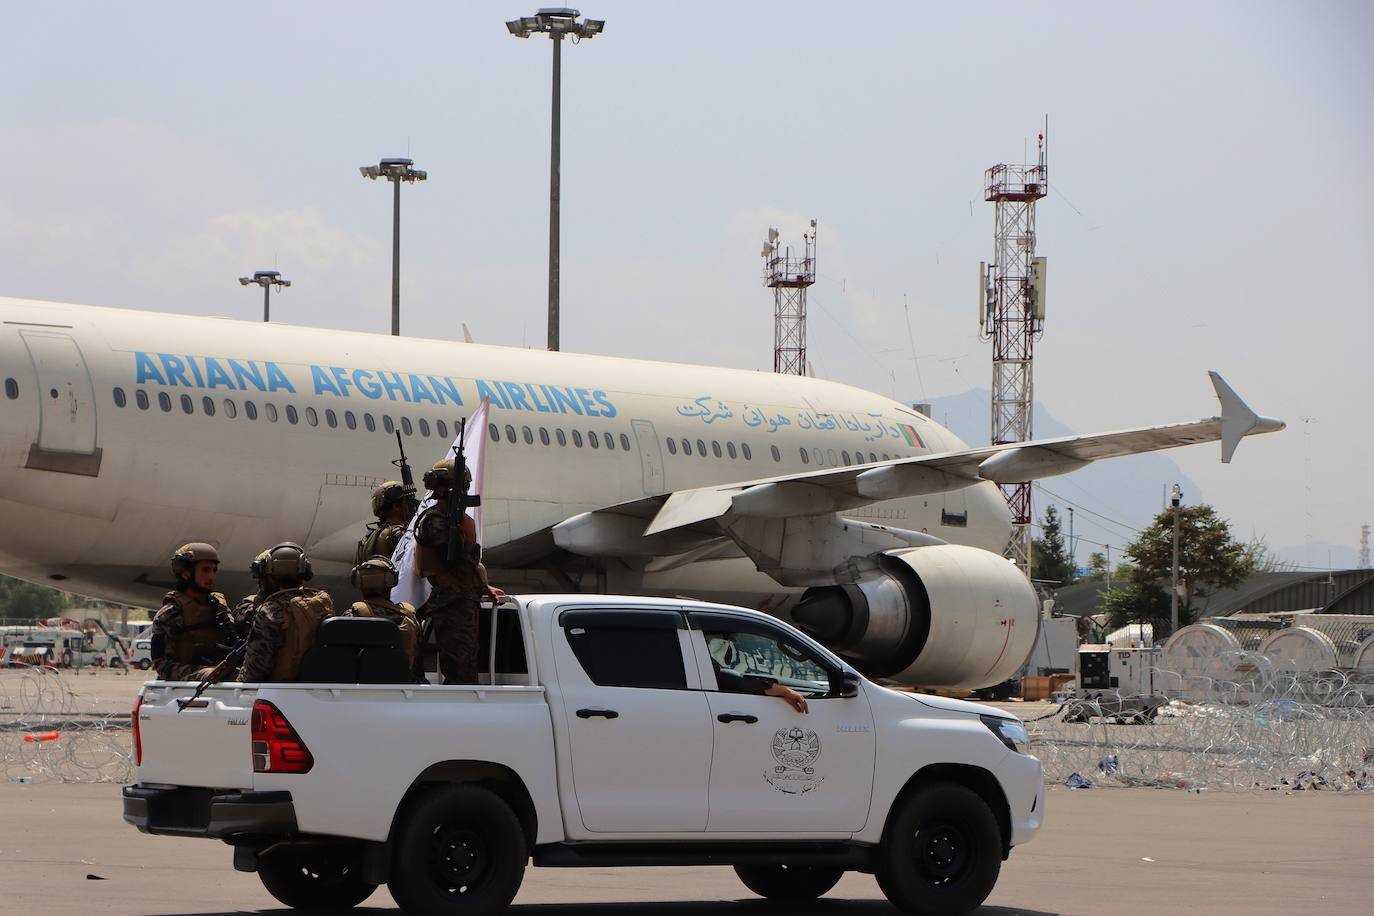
{"points": [[1265, 727], [48, 734]]}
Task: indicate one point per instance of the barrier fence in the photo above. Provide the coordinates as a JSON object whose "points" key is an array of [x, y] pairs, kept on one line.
{"points": [[48, 734]]}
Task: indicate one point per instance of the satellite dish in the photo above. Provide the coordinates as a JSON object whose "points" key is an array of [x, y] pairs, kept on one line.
{"points": [[772, 234]]}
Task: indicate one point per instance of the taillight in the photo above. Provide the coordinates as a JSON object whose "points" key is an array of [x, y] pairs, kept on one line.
{"points": [[276, 746], [138, 735]]}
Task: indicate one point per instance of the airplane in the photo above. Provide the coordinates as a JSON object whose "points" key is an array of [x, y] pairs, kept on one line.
{"points": [[125, 433]]}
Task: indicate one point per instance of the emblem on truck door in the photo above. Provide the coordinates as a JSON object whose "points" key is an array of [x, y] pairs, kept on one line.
{"points": [[795, 750]]}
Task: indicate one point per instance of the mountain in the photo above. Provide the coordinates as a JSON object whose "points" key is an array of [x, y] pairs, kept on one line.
{"points": [[1125, 493]]}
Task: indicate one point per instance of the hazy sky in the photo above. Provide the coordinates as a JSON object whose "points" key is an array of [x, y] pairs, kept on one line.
{"points": [[1210, 205]]}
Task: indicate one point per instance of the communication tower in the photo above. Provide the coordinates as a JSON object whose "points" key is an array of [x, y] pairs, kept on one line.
{"points": [[789, 277], [1011, 312]]}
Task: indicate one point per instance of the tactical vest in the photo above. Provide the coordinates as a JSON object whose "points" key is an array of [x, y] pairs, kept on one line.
{"points": [[199, 638], [431, 554], [303, 611], [403, 615], [380, 541]]}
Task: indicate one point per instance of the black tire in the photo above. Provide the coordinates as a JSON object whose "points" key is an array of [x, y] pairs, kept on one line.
{"points": [[789, 883], [458, 850], [941, 852], [319, 878]]}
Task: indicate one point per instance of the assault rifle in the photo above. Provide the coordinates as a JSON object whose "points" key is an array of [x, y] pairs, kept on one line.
{"points": [[407, 477], [226, 666], [459, 499]]}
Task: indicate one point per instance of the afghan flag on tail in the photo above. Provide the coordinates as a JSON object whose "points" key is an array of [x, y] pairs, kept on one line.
{"points": [[913, 438]]}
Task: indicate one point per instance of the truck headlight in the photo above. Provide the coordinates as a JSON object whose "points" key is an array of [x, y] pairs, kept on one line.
{"points": [[1011, 733]]}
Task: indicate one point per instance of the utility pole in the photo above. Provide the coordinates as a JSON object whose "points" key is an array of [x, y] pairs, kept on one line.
{"points": [[266, 279], [1173, 592], [1073, 548], [395, 171]]}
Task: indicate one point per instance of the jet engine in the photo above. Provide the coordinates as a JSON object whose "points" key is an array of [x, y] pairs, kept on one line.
{"points": [[937, 616]]}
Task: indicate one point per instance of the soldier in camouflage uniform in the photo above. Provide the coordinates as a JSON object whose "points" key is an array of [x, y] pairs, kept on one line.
{"points": [[375, 578], [248, 605], [394, 504], [194, 629], [287, 620], [458, 585]]}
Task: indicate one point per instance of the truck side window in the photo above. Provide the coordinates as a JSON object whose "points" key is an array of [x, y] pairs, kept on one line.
{"points": [[744, 651], [627, 653]]}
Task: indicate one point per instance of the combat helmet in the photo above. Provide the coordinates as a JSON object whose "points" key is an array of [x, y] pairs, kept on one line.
{"points": [[186, 557], [258, 568], [287, 561], [373, 575], [388, 495], [441, 475]]}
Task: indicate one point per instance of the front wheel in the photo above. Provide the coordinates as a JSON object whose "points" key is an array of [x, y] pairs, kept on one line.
{"points": [[314, 878], [459, 851], [790, 883], [941, 853]]}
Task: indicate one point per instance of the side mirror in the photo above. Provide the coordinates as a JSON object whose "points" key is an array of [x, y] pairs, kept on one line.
{"points": [[849, 684]]}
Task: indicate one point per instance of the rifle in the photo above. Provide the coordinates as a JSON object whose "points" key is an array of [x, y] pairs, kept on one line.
{"points": [[217, 673], [407, 477], [459, 499]]}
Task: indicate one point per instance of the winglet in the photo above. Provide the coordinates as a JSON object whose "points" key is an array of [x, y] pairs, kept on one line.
{"points": [[1237, 419]]}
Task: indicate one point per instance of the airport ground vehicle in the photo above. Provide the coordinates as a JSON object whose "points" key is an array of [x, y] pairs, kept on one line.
{"points": [[599, 737]]}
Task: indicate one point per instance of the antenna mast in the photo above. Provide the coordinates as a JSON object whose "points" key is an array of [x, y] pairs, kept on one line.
{"points": [[789, 278], [1011, 312]]}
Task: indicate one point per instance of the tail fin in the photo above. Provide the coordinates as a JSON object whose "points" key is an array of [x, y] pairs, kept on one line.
{"points": [[1237, 419]]}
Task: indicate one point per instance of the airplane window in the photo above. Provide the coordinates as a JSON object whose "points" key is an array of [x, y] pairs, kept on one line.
{"points": [[406, 427], [672, 446], [141, 397], [562, 437], [331, 418], [231, 409], [844, 455], [441, 429], [872, 457], [885, 458], [271, 410], [748, 455], [424, 427], [528, 434], [250, 410], [370, 423], [701, 448], [187, 405], [830, 457], [593, 440], [610, 441], [625, 442], [818, 456], [11, 389], [730, 450], [209, 404], [349, 420], [777, 455], [686, 447], [577, 438], [543, 436], [291, 416], [311, 417], [388, 425], [715, 448], [119, 398], [806, 459], [510, 433], [493, 432]]}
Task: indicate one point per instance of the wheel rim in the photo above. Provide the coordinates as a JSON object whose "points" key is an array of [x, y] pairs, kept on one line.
{"points": [[943, 853], [459, 859], [322, 872]]}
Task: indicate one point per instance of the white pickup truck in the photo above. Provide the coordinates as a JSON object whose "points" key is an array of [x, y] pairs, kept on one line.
{"points": [[607, 731]]}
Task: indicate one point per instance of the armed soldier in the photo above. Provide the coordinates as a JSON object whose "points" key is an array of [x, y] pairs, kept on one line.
{"points": [[394, 504], [448, 555], [375, 578], [288, 619], [243, 611], [194, 628]]}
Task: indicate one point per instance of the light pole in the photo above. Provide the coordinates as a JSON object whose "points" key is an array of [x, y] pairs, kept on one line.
{"points": [[395, 171], [266, 279], [555, 22], [1173, 592]]}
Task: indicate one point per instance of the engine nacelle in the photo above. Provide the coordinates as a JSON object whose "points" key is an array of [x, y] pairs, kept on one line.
{"points": [[939, 616]]}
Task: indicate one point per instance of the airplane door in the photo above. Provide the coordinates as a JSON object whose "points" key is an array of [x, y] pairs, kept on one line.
{"points": [[67, 431], [650, 457]]}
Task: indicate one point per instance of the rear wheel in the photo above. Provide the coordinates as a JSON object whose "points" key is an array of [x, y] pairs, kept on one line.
{"points": [[314, 878], [790, 883], [941, 853], [459, 850]]}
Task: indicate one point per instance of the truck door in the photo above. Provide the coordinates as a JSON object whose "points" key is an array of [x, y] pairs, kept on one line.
{"points": [[773, 768], [639, 731], [66, 431]]}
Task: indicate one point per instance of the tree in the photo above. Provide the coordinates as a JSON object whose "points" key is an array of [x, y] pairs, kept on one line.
{"points": [[1209, 558], [1050, 558], [20, 600]]}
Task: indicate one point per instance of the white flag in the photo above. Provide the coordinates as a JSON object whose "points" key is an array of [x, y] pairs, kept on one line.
{"points": [[411, 587]]}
